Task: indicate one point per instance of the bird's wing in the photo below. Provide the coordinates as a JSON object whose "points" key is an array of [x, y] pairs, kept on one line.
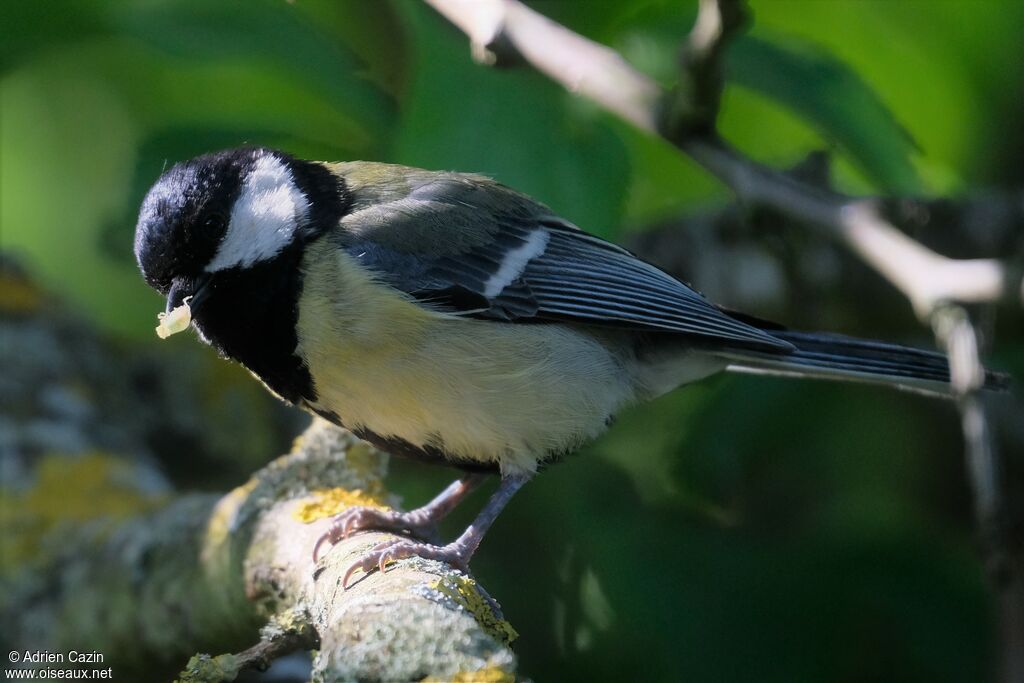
{"points": [[485, 251]]}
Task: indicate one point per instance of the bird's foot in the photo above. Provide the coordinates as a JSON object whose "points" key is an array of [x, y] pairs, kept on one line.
{"points": [[456, 554], [355, 519]]}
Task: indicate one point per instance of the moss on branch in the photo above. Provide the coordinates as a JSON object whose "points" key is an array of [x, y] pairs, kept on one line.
{"points": [[205, 573]]}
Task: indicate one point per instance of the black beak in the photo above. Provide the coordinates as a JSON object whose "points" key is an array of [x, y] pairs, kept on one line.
{"points": [[193, 289]]}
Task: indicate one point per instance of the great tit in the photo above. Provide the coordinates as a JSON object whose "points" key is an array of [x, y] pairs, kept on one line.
{"points": [[446, 317]]}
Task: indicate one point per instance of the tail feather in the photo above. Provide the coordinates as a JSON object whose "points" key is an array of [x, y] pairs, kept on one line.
{"points": [[832, 356]]}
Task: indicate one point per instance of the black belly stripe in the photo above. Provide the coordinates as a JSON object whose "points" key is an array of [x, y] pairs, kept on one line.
{"points": [[395, 446], [432, 455], [429, 454]]}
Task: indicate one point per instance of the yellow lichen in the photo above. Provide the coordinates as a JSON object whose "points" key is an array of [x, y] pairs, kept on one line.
{"points": [[299, 442], [203, 668], [363, 460], [18, 295], [219, 525], [67, 489], [329, 502], [489, 674], [291, 621], [464, 591]]}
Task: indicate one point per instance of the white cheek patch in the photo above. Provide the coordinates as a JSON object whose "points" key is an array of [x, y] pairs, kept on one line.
{"points": [[264, 219], [514, 263]]}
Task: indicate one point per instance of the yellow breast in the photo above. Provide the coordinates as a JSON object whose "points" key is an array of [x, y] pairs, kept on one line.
{"points": [[477, 390]]}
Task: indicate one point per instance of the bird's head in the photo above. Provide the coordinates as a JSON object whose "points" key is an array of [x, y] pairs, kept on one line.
{"points": [[225, 212]]}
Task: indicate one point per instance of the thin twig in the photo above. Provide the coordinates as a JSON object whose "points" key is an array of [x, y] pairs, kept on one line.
{"points": [[926, 278], [693, 105], [957, 336], [496, 26], [283, 635], [204, 668], [598, 73]]}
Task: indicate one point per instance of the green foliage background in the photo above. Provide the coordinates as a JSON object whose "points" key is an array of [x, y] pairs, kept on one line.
{"points": [[740, 529]]}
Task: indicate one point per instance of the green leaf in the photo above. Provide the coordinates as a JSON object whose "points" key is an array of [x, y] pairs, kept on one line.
{"points": [[374, 33], [30, 27], [825, 91], [513, 125], [263, 33], [167, 92]]}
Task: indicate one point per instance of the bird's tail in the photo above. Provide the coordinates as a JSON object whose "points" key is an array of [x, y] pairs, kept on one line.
{"points": [[832, 356]]}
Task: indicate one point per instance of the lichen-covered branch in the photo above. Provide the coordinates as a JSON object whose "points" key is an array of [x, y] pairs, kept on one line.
{"points": [[204, 573]]}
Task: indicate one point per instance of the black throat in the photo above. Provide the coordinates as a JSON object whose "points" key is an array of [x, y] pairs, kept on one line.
{"points": [[250, 315]]}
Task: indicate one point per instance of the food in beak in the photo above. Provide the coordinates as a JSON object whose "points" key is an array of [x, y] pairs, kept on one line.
{"points": [[174, 322]]}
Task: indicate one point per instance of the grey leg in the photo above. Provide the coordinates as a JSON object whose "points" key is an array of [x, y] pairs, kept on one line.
{"points": [[417, 522], [458, 552]]}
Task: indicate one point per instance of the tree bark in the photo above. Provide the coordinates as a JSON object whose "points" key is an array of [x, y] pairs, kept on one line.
{"points": [[204, 572], [98, 554]]}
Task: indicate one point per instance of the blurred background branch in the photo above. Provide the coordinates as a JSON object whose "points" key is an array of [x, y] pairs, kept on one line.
{"points": [[937, 287]]}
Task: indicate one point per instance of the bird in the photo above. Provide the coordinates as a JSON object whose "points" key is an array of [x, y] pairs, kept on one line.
{"points": [[446, 317]]}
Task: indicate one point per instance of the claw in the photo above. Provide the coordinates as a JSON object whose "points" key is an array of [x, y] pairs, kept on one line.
{"points": [[378, 556], [350, 521], [348, 574], [358, 519], [319, 543], [383, 554], [332, 536]]}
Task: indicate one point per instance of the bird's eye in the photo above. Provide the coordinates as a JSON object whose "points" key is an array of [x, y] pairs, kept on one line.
{"points": [[203, 234], [215, 222]]}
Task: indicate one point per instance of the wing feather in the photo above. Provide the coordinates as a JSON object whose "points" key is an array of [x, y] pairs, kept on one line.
{"points": [[525, 265]]}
